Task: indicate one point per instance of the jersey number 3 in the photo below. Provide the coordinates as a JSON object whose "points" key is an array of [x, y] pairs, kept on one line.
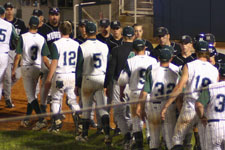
{"points": [[221, 103]]}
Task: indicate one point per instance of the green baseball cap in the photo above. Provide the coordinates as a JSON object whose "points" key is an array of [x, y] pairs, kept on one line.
{"points": [[34, 21], [2, 10], [166, 53], [202, 46], [91, 27], [139, 44], [128, 31]]}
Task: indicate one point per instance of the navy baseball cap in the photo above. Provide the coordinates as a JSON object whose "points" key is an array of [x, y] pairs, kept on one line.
{"points": [[166, 53], [91, 27], [83, 22], [8, 5], [37, 12], [185, 39], [2, 10], [202, 46], [34, 21], [199, 37], [54, 11], [139, 44], [210, 38], [104, 22], [161, 31], [115, 24], [222, 70], [128, 31], [212, 50]]}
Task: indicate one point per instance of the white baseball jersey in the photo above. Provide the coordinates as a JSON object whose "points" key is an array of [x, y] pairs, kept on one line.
{"points": [[67, 50], [32, 46], [6, 31], [216, 104], [134, 71], [95, 55], [200, 74], [164, 80]]}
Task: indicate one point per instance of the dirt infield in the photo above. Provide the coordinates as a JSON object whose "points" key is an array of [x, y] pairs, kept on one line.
{"points": [[20, 101]]}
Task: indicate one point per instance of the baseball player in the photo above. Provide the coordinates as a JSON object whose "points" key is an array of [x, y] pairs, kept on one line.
{"points": [[210, 109], [31, 50], [116, 38], [90, 76], [20, 28], [105, 33], [116, 64], [138, 32], [83, 36], [8, 37], [133, 74], [160, 81], [64, 60], [195, 76], [163, 36]]}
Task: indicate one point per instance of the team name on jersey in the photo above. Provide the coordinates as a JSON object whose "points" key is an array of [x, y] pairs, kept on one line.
{"points": [[53, 35], [17, 31]]}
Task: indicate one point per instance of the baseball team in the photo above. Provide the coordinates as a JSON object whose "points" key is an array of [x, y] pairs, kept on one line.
{"points": [[175, 89]]}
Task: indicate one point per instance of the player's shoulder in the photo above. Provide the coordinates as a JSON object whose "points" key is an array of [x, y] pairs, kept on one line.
{"points": [[18, 21], [6, 23]]}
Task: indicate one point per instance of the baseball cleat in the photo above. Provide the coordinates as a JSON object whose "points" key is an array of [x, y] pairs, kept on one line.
{"points": [[9, 104], [25, 123], [108, 140], [80, 138], [56, 126], [40, 125]]}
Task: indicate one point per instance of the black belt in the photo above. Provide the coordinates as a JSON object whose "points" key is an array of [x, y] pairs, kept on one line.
{"points": [[215, 120], [156, 102]]}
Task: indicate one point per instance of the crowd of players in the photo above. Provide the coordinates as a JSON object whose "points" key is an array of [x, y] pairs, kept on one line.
{"points": [[114, 66]]}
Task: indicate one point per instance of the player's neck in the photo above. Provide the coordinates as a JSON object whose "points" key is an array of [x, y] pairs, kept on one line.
{"points": [[10, 18], [164, 64], [140, 52], [91, 37], [186, 54], [202, 59], [117, 37], [33, 31], [65, 36]]}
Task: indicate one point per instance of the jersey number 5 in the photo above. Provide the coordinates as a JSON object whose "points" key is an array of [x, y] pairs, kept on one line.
{"points": [[97, 60], [2, 35]]}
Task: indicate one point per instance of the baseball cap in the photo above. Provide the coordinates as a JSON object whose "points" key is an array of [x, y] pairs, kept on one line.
{"points": [[161, 31], [2, 10], [37, 12], [210, 38], [139, 44], [212, 50], [54, 11], [202, 46], [199, 37], [166, 53], [8, 5], [34, 21], [104, 22], [83, 22], [185, 39], [128, 31], [222, 70], [90, 27], [115, 24]]}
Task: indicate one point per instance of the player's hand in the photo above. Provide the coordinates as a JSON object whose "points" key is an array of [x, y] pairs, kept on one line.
{"points": [[140, 112], [76, 91], [13, 76], [163, 113], [204, 121]]}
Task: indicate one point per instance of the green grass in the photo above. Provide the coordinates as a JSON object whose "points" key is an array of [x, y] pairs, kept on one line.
{"points": [[43, 140]]}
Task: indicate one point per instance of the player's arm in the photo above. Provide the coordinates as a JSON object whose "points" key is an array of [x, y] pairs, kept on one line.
{"points": [[147, 88], [123, 80], [79, 70], [19, 51], [45, 53], [202, 102], [13, 39], [176, 91]]}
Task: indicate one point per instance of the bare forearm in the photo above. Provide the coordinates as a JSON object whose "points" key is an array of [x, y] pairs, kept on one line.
{"points": [[16, 62], [199, 108]]}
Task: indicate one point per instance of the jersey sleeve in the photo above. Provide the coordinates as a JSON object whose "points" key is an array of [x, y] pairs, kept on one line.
{"points": [[13, 39], [79, 67], [54, 54], [204, 97], [124, 76], [19, 48], [148, 80], [45, 50]]}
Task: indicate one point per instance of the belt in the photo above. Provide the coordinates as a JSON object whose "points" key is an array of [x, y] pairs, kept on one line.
{"points": [[156, 102], [215, 120], [65, 73]]}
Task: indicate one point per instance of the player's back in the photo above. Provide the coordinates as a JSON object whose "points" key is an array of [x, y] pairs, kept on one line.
{"points": [[138, 66], [95, 54], [200, 74], [164, 80], [216, 106], [5, 35], [67, 50], [32, 44]]}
